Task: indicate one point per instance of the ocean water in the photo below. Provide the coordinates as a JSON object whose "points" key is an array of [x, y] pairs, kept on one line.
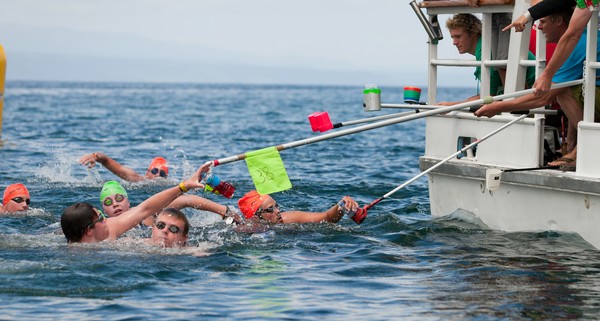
{"points": [[399, 264]]}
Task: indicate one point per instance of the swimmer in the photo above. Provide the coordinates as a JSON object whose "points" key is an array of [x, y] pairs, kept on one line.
{"points": [[16, 199], [263, 209], [82, 223], [158, 168], [115, 202], [170, 229]]}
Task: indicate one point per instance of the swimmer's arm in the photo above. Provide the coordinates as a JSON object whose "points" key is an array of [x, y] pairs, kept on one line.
{"points": [[123, 172], [124, 222], [200, 203], [333, 214]]}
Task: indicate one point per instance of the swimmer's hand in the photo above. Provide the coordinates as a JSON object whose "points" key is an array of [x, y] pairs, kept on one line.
{"points": [[232, 216], [194, 181], [205, 168], [89, 160], [349, 205]]}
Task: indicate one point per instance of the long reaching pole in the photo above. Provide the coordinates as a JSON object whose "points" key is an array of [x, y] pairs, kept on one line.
{"points": [[361, 214], [441, 110]]}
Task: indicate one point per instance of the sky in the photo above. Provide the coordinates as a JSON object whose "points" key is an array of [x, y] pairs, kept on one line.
{"points": [[320, 42]]}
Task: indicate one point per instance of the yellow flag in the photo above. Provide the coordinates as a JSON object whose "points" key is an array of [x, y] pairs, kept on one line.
{"points": [[267, 171]]}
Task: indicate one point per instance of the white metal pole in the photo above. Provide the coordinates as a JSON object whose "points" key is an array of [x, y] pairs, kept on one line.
{"points": [[441, 110]]}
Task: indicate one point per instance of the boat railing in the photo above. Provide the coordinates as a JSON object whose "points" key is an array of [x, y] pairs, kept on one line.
{"points": [[588, 133]]}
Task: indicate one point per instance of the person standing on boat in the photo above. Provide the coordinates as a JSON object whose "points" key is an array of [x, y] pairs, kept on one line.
{"points": [[570, 99], [158, 167], [500, 42], [553, 27], [82, 223], [567, 43], [538, 10], [15, 199], [261, 209], [465, 31]]}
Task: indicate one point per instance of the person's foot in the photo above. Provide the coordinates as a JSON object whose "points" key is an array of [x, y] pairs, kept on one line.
{"points": [[561, 161], [567, 162]]}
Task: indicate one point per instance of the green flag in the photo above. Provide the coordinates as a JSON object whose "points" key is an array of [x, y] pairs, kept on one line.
{"points": [[267, 171]]}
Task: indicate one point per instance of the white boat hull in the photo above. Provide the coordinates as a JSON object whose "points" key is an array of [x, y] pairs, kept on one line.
{"points": [[547, 200]]}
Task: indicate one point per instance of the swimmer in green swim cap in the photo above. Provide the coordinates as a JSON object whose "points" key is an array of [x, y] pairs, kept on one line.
{"points": [[113, 198]]}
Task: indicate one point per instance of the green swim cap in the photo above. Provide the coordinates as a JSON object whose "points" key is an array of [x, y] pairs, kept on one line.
{"points": [[111, 188]]}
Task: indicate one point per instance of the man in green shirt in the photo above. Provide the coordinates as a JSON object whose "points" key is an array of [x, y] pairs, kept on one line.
{"points": [[465, 31]]}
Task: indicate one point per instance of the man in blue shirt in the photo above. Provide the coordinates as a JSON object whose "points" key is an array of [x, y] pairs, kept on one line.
{"points": [[570, 99]]}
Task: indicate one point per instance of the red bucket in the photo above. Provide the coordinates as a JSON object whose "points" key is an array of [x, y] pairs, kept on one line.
{"points": [[319, 121]]}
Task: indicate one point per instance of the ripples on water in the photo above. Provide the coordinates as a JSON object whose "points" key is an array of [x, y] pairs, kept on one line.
{"points": [[399, 264]]}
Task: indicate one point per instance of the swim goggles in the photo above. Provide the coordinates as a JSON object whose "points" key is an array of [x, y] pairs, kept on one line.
{"points": [[118, 198], [172, 228], [155, 171], [101, 218], [21, 200]]}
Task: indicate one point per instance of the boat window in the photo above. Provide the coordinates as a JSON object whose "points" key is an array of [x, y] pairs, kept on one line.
{"points": [[464, 141]]}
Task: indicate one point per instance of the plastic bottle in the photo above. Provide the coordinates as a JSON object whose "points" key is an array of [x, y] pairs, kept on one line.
{"points": [[222, 187]]}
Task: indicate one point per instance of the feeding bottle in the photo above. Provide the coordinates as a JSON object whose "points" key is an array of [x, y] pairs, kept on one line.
{"points": [[372, 98], [357, 216], [218, 186]]}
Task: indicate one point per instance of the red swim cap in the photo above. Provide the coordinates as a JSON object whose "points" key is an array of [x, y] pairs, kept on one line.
{"points": [[250, 203], [13, 191], [160, 163]]}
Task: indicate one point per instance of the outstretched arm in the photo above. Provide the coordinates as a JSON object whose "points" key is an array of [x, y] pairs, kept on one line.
{"points": [[123, 172], [524, 102], [333, 214], [452, 103], [124, 222], [199, 203], [539, 9]]}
